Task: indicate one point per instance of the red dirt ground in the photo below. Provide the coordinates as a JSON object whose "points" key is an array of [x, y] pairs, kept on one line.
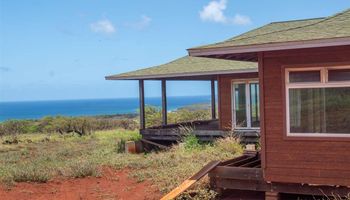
{"points": [[112, 185]]}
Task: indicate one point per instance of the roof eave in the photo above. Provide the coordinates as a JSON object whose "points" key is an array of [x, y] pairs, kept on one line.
{"points": [[180, 75], [269, 47]]}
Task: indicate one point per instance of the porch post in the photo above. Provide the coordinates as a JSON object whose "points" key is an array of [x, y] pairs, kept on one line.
{"points": [[213, 104], [142, 104], [164, 104]]}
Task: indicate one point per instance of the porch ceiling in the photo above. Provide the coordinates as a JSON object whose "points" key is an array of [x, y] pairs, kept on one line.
{"points": [[189, 68]]}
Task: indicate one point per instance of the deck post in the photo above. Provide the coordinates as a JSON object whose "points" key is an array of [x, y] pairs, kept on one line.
{"points": [[164, 104], [213, 103], [142, 104]]}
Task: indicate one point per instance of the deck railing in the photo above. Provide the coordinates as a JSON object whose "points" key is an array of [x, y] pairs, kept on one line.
{"points": [[205, 130]]}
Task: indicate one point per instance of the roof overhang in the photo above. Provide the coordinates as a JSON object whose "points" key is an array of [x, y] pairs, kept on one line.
{"points": [[248, 51], [184, 76]]}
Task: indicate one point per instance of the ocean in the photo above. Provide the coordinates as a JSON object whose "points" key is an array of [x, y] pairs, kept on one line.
{"points": [[88, 107]]}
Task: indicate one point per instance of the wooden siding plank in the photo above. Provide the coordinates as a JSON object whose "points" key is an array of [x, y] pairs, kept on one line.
{"points": [[301, 160]]}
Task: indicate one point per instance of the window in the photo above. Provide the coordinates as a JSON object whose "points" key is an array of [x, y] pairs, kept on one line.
{"points": [[318, 102], [246, 108], [339, 75], [307, 76]]}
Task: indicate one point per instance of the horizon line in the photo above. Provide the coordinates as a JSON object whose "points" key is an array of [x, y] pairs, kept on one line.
{"points": [[19, 101]]}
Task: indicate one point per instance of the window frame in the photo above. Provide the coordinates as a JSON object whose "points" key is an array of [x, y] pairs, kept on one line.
{"points": [[247, 83], [324, 83]]}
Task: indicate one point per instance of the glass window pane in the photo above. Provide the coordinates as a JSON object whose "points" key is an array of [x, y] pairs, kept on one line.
{"points": [[304, 76], [339, 75], [254, 105], [319, 110], [240, 105]]}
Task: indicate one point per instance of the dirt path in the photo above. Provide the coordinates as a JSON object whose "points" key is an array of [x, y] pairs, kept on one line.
{"points": [[112, 185]]}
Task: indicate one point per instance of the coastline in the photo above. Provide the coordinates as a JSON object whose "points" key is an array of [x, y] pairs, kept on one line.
{"points": [[111, 108]]}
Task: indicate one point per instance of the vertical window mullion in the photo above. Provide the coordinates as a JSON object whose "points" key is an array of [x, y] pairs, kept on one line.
{"points": [[233, 96], [248, 105], [323, 73]]}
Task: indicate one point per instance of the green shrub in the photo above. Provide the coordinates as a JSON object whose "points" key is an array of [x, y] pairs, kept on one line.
{"points": [[31, 128], [191, 142], [186, 115], [13, 127], [154, 115], [121, 146]]}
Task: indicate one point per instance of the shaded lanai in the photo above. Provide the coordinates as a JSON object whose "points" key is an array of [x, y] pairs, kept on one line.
{"points": [[186, 68]]}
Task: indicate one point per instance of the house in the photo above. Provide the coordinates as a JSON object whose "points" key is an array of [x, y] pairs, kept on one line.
{"points": [[299, 98], [304, 78]]}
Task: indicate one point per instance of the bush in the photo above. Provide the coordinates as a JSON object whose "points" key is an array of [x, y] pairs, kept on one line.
{"points": [[154, 115], [12, 139], [82, 168], [63, 125], [13, 127], [30, 173], [191, 142], [229, 144], [121, 146], [185, 115]]}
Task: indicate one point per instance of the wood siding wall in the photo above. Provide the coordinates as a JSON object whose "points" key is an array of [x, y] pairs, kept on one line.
{"points": [[323, 161], [224, 94]]}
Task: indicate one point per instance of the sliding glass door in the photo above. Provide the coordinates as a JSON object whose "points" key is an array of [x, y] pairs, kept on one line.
{"points": [[245, 103]]}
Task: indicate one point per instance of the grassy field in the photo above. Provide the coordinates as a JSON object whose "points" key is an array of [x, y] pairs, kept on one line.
{"points": [[41, 157]]}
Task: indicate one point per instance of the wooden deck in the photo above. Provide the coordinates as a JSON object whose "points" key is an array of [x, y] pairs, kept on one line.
{"points": [[207, 130], [245, 174]]}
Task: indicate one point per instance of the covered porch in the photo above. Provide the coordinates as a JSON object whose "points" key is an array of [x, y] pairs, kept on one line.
{"points": [[189, 69], [205, 130]]}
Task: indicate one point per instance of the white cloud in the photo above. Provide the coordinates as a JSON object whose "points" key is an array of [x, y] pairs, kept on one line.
{"points": [[144, 22], [214, 12], [241, 20], [103, 26]]}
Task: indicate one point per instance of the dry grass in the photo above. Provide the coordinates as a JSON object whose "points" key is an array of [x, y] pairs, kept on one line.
{"points": [[39, 157], [169, 169], [82, 168], [76, 157], [29, 173]]}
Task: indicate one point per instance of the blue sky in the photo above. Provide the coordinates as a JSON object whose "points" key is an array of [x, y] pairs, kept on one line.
{"points": [[63, 49]]}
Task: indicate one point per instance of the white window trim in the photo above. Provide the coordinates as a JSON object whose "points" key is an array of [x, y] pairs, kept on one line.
{"points": [[324, 83], [248, 106]]}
